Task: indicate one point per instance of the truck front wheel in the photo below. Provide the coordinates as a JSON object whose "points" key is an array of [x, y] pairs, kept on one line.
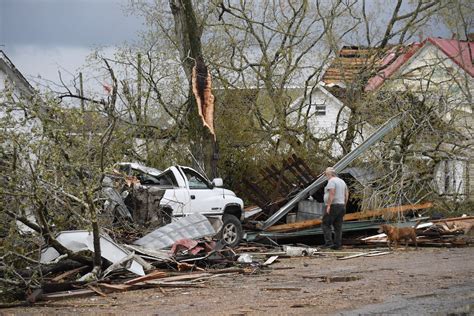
{"points": [[231, 232]]}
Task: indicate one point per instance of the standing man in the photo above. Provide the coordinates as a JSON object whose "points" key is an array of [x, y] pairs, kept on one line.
{"points": [[336, 195]]}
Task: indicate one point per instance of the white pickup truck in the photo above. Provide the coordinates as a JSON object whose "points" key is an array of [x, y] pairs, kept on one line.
{"points": [[184, 191]]}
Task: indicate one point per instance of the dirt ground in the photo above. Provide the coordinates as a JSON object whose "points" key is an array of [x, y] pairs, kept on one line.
{"points": [[430, 280]]}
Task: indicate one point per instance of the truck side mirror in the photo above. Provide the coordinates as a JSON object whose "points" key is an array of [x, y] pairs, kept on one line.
{"points": [[218, 182]]}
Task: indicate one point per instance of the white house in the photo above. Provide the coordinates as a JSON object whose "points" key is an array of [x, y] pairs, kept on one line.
{"points": [[443, 71], [321, 114], [11, 77], [15, 94]]}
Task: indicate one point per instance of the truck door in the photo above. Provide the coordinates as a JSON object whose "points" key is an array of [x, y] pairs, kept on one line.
{"points": [[176, 196], [203, 199]]}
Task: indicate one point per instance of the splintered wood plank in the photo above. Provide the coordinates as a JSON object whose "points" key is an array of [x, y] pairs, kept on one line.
{"points": [[68, 294], [151, 276], [115, 287], [304, 165], [185, 277], [257, 194], [453, 219], [301, 177], [97, 290], [281, 289], [353, 256], [68, 273], [276, 180], [281, 177]]}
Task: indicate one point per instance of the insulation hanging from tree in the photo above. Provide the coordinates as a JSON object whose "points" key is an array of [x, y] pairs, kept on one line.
{"points": [[201, 82]]}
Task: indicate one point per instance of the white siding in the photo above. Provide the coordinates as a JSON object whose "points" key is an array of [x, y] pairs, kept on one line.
{"points": [[319, 113], [434, 75]]}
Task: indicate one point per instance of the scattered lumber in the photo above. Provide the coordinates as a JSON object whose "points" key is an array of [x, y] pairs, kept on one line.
{"points": [[68, 294], [68, 273], [331, 279], [453, 219], [96, 290], [366, 254], [281, 289], [115, 287], [151, 276], [350, 217]]}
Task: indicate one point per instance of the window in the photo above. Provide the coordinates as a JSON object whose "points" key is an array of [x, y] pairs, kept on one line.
{"points": [[196, 181], [319, 109], [450, 177], [167, 178]]}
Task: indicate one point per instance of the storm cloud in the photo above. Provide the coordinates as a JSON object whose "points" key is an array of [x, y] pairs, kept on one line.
{"points": [[66, 22]]}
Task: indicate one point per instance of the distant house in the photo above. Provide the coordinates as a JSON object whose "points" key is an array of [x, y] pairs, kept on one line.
{"points": [[324, 109], [11, 78], [443, 70], [440, 69], [15, 90], [321, 114]]}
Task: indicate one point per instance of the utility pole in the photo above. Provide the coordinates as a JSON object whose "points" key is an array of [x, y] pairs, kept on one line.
{"points": [[81, 91]]}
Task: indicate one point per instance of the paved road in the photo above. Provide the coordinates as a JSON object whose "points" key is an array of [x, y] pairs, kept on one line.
{"points": [[458, 300]]}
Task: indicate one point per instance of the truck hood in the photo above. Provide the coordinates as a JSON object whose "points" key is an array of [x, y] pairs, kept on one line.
{"points": [[225, 191]]}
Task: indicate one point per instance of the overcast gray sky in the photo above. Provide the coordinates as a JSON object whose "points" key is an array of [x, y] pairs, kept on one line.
{"points": [[40, 36]]}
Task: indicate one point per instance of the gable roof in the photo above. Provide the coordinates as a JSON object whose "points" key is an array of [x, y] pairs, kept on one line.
{"points": [[460, 52], [15, 75], [319, 87]]}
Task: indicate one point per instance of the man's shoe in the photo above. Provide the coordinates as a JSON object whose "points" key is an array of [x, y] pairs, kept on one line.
{"points": [[336, 247]]}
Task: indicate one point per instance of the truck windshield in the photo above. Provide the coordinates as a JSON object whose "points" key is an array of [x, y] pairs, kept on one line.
{"points": [[167, 178], [196, 181]]}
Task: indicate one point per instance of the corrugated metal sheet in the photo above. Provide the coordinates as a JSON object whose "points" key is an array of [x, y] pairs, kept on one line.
{"points": [[189, 227], [79, 240], [339, 166]]}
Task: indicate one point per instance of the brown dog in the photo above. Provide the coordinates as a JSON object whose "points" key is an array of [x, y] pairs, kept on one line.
{"points": [[395, 235]]}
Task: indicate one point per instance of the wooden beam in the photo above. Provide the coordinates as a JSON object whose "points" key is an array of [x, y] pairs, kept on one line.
{"points": [[68, 273], [453, 219], [151, 276], [349, 217], [68, 294]]}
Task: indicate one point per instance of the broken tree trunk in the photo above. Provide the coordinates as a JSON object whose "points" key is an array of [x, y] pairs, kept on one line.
{"points": [[188, 33]]}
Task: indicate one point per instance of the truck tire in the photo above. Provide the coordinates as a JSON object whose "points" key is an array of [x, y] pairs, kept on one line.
{"points": [[231, 232]]}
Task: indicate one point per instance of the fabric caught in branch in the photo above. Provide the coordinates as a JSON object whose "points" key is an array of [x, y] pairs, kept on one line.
{"points": [[201, 82]]}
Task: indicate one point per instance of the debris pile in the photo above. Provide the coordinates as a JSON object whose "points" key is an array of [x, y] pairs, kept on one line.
{"points": [[449, 232], [185, 253]]}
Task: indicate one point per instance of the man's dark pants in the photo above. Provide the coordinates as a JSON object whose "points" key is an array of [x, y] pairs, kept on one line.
{"points": [[334, 218]]}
